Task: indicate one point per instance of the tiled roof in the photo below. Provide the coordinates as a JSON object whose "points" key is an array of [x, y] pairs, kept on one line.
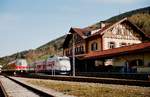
{"points": [[101, 30], [79, 31], [69, 36], [82, 32], [119, 51]]}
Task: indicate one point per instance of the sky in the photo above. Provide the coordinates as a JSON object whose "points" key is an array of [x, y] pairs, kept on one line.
{"points": [[28, 24]]}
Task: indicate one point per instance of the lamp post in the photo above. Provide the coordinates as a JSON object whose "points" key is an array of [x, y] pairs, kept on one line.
{"points": [[73, 54]]}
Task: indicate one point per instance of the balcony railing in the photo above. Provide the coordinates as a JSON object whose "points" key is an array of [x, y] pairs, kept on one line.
{"points": [[76, 53]]}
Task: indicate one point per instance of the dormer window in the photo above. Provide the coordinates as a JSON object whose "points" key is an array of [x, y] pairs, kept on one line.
{"points": [[94, 46], [87, 33]]}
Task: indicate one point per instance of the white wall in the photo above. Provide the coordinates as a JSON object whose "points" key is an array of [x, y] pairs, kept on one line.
{"points": [[121, 33], [117, 42]]}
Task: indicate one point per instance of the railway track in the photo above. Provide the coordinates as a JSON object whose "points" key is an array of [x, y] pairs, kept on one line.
{"points": [[1, 92], [145, 83], [13, 88]]}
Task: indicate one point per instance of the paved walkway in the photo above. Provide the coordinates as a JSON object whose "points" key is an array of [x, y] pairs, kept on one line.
{"points": [[13, 89]]}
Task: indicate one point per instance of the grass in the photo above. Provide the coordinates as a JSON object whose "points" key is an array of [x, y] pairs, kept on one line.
{"points": [[92, 90]]}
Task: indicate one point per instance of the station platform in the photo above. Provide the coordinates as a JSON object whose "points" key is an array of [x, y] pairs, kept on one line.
{"points": [[12, 89]]}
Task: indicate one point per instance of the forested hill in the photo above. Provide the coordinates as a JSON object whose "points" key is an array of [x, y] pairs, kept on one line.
{"points": [[140, 17], [145, 10]]}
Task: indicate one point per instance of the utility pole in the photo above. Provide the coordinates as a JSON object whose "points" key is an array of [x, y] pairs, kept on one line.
{"points": [[73, 54]]}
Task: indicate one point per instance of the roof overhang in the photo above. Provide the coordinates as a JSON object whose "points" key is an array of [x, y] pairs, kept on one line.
{"points": [[133, 49]]}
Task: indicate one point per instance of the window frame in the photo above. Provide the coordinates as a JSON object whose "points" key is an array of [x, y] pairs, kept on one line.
{"points": [[110, 45], [94, 46], [122, 44]]}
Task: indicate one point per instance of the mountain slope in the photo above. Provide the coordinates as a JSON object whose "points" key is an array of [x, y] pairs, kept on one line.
{"points": [[129, 14], [142, 20], [140, 17]]}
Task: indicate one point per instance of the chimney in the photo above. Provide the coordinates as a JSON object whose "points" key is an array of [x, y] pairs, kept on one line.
{"points": [[102, 24]]}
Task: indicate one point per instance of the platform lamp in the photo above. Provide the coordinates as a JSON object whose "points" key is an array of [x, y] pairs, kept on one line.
{"points": [[73, 54]]}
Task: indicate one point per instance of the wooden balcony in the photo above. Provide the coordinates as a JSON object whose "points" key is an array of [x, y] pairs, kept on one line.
{"points": [[76, 53]]}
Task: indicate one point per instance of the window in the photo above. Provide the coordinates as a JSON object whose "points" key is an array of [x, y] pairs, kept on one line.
{"points": [[78, 50], [75, 50], [98, 63], [82, 49], [70, 52], [136, 62], [122, 44], [94, 46], [87, 33], [111, 45]]}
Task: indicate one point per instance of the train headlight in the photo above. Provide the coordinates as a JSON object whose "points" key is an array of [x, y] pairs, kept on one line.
{"points": [[63, 68]]}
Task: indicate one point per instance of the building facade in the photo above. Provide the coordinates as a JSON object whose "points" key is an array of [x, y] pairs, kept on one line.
{"points": [[92, 47]]}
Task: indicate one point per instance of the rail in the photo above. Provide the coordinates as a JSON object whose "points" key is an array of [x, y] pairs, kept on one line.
{"points": [[93, 80]]}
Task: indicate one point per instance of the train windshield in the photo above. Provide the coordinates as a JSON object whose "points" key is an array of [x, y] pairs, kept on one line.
{"points": [[64, 61]]}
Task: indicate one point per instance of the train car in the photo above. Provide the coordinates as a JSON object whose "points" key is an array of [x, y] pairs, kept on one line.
{"points": [[54, 65], [40, 66], [60, 65], [31, 67], [15, 67]]}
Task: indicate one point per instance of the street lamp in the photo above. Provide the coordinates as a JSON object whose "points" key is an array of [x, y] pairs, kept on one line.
{"points": [[73, 54]]}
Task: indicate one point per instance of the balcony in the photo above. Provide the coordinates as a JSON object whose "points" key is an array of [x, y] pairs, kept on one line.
{"points": [[69, 53]]}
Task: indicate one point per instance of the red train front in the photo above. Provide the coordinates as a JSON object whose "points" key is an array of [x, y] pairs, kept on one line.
{"points": [[17, 66]]}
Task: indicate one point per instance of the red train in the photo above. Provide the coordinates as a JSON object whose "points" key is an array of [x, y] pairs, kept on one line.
{"points": [[15, 67]]}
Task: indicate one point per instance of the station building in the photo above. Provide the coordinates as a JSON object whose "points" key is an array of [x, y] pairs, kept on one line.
{"points": [[111, 47]]}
